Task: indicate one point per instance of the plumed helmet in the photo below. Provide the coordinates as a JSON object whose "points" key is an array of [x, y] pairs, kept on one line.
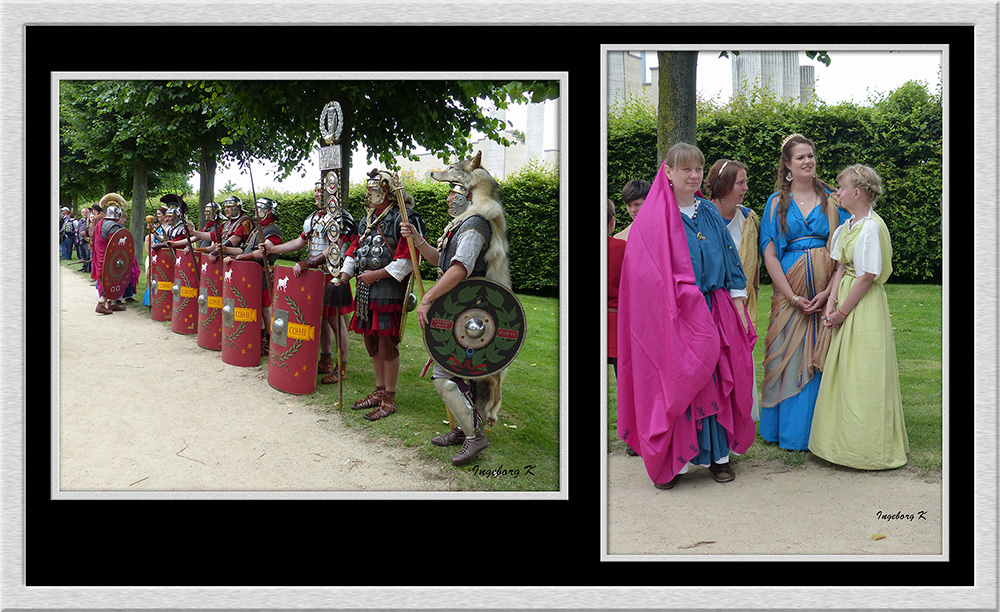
{"points": [[175, 201], [113, 206]]}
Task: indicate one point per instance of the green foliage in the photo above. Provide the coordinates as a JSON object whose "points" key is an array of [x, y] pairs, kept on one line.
{"points": [[531, 203], [916, 322], [898, 134]]}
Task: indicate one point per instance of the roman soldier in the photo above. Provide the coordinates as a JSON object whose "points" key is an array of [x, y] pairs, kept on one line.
{"points": [[473, 244], [113, 207], [324, 232], [380, 258], [265, 230], [231, 230]]}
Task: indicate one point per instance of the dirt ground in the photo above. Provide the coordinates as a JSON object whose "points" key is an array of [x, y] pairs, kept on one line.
{"points": [[157, 435], [160, 437], [773, 509]]}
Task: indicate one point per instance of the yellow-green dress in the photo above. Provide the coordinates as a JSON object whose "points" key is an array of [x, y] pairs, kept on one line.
{"points": [[858, 420]]}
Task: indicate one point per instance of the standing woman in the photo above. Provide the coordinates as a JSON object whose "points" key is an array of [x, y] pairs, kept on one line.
{"points": [[685, 363], [858, 420], [794, 239], [725, 187]]}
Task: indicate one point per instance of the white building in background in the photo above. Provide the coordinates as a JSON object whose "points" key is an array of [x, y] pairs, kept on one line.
{"points": [[541, 142], [777, 71]]}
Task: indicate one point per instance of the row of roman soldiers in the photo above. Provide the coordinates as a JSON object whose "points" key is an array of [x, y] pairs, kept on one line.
{"points": [[218, 284]]}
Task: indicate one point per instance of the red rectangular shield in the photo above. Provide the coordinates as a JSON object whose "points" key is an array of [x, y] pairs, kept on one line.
{"points": [[241, 289], [117, 265], [161, 282], [296, 320], [184, 319], [210, 304]]}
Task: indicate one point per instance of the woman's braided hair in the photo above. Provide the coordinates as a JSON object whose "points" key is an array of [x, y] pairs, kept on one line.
{"points": [[864, 178]]}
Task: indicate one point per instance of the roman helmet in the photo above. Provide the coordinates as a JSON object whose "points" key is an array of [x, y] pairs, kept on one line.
{"points": [[377, 179], [460, 202], [269, 206], [113, 206], [213, 208], [232, 207]]}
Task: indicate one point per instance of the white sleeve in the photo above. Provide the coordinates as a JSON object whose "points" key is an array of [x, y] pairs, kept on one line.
{"points": [[868, 251], [836, 238], [348, 267], [399, 268]]}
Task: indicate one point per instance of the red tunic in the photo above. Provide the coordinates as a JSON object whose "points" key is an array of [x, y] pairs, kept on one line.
{"points": [[616, 254]]}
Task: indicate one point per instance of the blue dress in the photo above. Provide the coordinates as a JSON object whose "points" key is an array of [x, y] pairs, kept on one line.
{"points": [[716, 263], [796, 343]]}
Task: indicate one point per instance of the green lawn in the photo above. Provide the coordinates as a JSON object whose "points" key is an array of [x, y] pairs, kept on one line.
{"points": [[916, 317], [524, 443]]}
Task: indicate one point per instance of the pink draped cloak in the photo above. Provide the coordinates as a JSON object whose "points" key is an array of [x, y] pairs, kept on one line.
{"points": [[673, 350]]}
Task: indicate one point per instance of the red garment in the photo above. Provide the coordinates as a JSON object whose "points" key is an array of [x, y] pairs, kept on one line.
{"points": [[265, 291], [616, 254], [679, 362]]}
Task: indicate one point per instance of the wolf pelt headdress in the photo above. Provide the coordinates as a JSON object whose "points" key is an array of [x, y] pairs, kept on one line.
{"points": [[485, 196]]}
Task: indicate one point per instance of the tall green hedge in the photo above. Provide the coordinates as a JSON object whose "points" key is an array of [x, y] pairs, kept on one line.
{"points": [[898, 134], [530, 199]]}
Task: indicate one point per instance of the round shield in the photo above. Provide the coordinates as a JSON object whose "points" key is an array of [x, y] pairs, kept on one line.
{"points": [[476, 329], [210, 304], [296, 320], [161, 282], [184, 318], [241, 289], [116, 269]]}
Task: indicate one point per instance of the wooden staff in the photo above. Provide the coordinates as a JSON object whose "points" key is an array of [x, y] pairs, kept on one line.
{"points": [[397, 186]]}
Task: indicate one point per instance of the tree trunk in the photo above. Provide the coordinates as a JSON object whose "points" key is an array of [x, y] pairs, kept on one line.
{"points": [[137, 219], [206, 188], [346, 150], [677, 111]]}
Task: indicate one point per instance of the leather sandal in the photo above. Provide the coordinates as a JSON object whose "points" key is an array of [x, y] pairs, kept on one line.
{"points": [[334, 377], [387, 407], [371, 401], [723, 472], [326, 366]]}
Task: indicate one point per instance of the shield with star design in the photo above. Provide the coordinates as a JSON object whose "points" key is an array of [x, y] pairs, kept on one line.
{"points": [[296, 317], [210, 304], [161, 282], [184, 318], [241, 289]]}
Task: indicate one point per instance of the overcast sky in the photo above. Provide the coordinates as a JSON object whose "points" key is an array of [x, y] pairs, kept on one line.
{"points": [[851, 75]]}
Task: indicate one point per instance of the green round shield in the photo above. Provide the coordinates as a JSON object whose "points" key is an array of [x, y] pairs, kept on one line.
{"points": [[476, 329]]}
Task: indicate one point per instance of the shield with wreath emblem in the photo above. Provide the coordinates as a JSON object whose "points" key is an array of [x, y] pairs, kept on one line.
{"points": [[241, 288], [184, 311], [210, 304], [476, 329], [117, 267], [296, 324]]}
